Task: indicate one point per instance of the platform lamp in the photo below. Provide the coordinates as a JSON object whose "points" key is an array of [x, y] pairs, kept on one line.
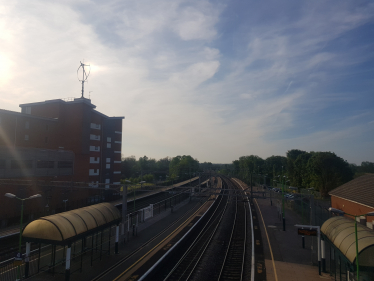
{"points": [[124, 200], [141, 183], [340, 212], [10, 195]]}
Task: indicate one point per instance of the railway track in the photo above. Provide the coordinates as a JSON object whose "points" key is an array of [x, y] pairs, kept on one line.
{"points": [[187, 264], [233, 265], [120, 263], [219, 249]]}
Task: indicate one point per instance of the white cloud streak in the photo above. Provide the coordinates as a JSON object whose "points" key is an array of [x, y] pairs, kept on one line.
{"points": [[160, 65]]}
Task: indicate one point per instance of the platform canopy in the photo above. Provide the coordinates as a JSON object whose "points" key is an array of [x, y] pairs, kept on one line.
{"points": [[341, 232], [67, 227]]}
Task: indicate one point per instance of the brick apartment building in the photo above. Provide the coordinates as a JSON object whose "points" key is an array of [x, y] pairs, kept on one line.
{"points": [[66, 140]]}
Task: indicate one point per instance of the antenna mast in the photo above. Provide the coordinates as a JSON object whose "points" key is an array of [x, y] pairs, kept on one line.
{"points": [[84, 75]]}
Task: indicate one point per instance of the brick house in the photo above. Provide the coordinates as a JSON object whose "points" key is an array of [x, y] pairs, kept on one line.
{"points": [[356, 197]]}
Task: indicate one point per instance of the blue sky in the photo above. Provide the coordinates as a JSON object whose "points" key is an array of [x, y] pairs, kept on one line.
{"points": [[216, 80]]}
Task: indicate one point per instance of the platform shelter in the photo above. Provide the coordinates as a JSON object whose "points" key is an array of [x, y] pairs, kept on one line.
{"points": [[340, 239], [88, 229]]}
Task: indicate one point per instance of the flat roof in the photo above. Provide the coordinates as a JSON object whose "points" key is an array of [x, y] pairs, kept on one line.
{"points": [[27, 115], [68, 101]]}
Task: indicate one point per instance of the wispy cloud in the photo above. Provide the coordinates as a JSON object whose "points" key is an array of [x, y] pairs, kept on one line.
{"points": [[216, 80]]}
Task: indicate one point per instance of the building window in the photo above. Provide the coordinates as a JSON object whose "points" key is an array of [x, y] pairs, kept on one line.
{"points": [[108, 139], [28, 163], [108, 160], [94, 137], [94, 160], [26, 109], [27, 125], [65, 164], [14, 164], [94, 148], [108, 145], [46, 140], [93, 184], [107, 166], [95, 126], [41, 164], [26, 137], [93, 172]]}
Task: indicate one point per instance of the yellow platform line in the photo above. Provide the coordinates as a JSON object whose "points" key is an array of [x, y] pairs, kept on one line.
{"points": [[267, 236]]}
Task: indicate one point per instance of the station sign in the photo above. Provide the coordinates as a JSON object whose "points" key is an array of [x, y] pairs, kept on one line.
{"points": [[307, 232], [18, 259]]}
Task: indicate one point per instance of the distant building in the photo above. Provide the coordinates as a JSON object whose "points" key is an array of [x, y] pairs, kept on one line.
{"points": [[68, 140], [356, 197]]}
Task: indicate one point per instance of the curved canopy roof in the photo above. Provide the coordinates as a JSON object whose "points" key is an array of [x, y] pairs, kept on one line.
{"points": [[341, 232], [64, 227]]}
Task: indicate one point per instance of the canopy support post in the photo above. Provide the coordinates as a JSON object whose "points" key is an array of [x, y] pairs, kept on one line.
{"points": [[27, 259], [67, 268], [117, 236], [92, 245], [110, 230], [83, 240], [101, 244], [323, 255], [40, 246]]}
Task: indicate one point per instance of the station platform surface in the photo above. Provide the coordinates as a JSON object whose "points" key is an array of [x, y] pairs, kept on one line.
{"points": [[285, 259]]}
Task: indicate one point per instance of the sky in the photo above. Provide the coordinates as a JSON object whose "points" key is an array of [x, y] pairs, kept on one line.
{"points": [[212, 79]]}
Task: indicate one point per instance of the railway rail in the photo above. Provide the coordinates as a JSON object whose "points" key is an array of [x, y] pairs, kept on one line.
{"points": [[233, 265], [187, 264], [202, 256]]}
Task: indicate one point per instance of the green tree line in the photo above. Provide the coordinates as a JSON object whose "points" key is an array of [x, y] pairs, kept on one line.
{"points": [[322, 171], [169, 169]]}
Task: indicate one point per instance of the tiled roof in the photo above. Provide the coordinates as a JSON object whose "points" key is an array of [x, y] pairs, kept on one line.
{"points": [[360, 190]]}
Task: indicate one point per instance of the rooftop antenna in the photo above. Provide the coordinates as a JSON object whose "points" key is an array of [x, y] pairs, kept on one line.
{"points": [[89, 94], [84, 75]]}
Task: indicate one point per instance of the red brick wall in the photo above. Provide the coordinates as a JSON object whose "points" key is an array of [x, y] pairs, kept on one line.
{"points": [[351, 207], [13, 131]]}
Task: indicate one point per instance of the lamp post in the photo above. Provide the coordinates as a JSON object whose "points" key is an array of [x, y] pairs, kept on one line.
{"points": [[10, 195], [333, 210], [124, 208], [124, 201], [141, 183], [282, 180], [65, 203]]}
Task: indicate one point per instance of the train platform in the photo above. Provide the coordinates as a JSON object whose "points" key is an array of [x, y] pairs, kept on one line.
{"points": [[285, 259], [14, 230], [146, 231]]}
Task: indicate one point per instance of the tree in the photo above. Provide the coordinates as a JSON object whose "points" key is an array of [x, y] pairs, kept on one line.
{"points": [[291, 158], [301, 175], [183, 166], [128, 167], [367, 167], [328, 171], [273, 166]]}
